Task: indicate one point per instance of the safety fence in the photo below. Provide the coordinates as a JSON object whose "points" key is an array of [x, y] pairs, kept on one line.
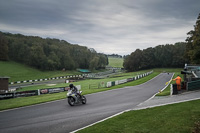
{"points": [[118, 82], [31, 93], [193, 85], [88, 75], [36, 80], [185, 86], [113, 83], [35, 92], [62, 89]]}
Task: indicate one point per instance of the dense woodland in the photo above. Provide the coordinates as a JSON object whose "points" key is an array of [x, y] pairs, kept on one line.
{"points": [[193, 44], [167, 55], [48, 54], [54, 54], [160, 56]]}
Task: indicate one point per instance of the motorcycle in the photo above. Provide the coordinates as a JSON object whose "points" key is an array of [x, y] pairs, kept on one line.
{"points": [[75, 98]]}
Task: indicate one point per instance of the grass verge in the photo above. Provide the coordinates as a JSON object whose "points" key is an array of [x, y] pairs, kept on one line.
{"points": [[166, 91], [20, 72], [85, 84], [175, 118], [26, 101], [115, 62]]}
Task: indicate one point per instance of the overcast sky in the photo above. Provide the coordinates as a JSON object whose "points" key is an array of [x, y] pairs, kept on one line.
{"points": [[108, 26]]}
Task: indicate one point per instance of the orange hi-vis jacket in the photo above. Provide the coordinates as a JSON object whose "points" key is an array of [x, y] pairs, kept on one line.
{"points": [[178, 80]]}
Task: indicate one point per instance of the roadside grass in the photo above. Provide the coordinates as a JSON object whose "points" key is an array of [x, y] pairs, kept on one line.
{"points": [[85, 84], [175, 118], [137, 82], [20, 72], [115, 62], [26, 101], [166, 91]]}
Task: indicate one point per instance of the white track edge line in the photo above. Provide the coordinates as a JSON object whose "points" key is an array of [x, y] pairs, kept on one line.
{"points": [[156, 93], [65, 99], [31, 105], [124, 110], [133, 110]]}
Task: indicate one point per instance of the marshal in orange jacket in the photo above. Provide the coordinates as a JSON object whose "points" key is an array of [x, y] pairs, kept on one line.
{"points": [[178, 82]]}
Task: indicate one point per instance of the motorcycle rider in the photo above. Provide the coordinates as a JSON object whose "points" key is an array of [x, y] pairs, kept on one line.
{"points": [[75, 91]]}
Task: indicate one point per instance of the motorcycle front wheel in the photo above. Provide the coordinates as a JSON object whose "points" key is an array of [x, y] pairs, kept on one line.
{"points": [[84, 100], [71, 101]]}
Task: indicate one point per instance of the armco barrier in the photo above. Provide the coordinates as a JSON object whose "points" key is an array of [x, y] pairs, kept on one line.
{"points": [[108, 84], [122, 81], [113, 83], [129, 79], [26, 93], [91, 75], [117, 82], [193, 85], [6, 95], [54, 78], [19, 94], [56, 90], [35, 92], [52, 90], [61, 89]]}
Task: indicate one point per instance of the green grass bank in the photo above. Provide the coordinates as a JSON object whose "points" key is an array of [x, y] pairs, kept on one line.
{"points": [[26, 101], [20, 72], [115, 62], [175, 118]]}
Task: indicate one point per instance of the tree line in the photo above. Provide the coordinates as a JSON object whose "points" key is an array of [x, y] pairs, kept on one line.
{"points": [[168, 55], [55, 54], [48, 54], [193, 44], [114, 56], [158, 57]]}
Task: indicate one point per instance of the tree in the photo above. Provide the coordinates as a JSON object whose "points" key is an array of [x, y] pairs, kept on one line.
{"points": [[161, 56], [3, 48], [178, 52], [148, 58], [51, 54], [133, 62], [102, 61], [37, 57], [193, 44], [94, 63]]}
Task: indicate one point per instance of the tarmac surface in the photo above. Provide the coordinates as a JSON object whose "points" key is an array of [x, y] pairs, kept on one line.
{"points": [[59, 117], [156, 101], [172, 99]]}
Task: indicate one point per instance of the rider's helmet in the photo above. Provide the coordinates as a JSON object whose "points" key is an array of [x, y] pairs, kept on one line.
{"points": [[71, 85]]}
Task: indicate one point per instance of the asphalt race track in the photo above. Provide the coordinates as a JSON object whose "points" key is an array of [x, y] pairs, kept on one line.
{"points": [[59, 117]]}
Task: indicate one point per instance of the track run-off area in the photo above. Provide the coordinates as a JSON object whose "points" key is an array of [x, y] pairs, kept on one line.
{"points": [[59, 117]]}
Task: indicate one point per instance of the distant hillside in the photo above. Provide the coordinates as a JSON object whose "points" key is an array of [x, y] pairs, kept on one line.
{"points": [[48, 53], [115, 62], [19, 72]]}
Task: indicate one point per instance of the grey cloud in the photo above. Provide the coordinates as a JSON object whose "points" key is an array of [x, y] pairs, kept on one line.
{"points": [[102, 23]]}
